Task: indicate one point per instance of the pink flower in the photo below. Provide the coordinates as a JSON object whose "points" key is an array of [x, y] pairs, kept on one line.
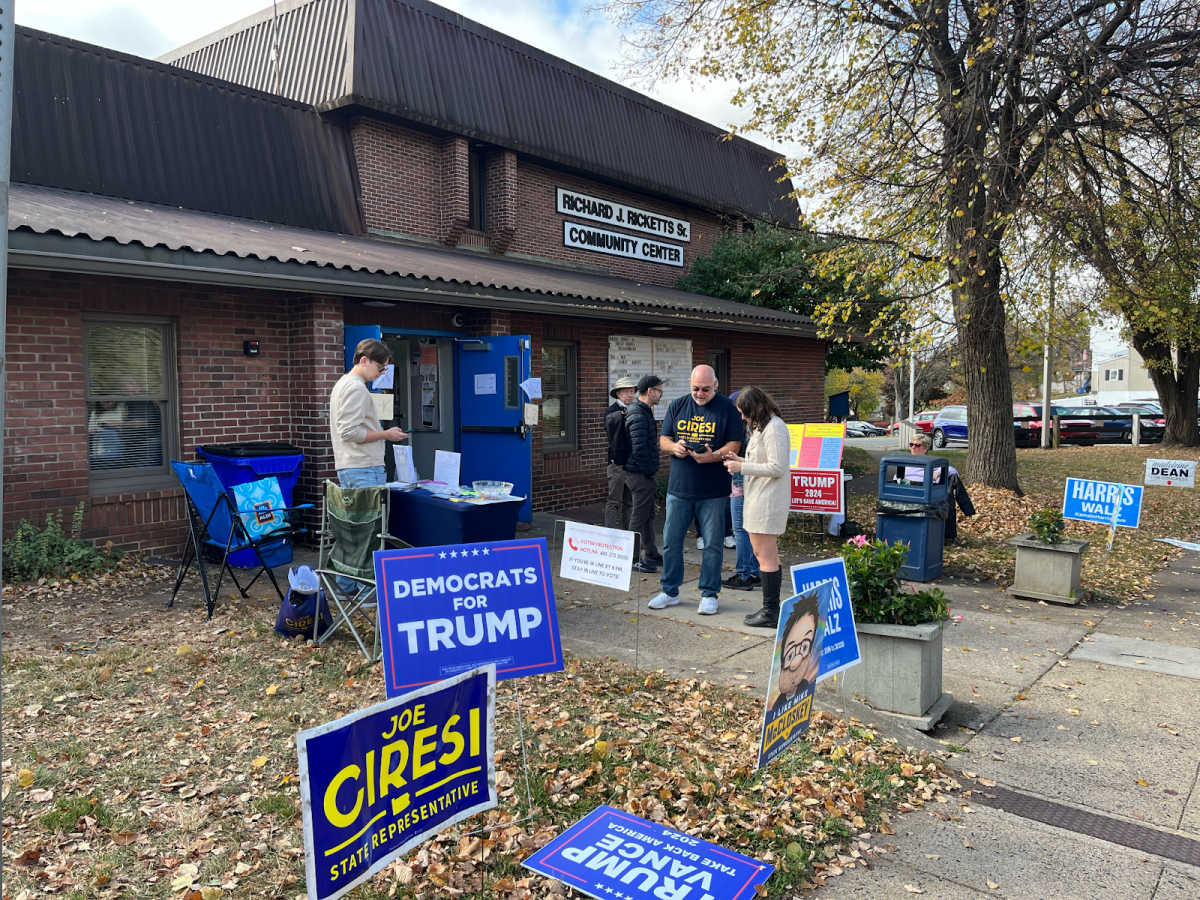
{"points": [[859, 540]]}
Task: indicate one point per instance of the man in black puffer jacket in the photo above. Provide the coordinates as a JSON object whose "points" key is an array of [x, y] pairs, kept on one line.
{"points": [[642, 466]]}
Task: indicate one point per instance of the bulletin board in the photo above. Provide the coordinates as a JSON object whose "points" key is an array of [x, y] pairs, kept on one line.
{"points": [[631, 356]]}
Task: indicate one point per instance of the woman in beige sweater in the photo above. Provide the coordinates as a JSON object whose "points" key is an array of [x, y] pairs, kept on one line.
{"points": [[768, 488]]}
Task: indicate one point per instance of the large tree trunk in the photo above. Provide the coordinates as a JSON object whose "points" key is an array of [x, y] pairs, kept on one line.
{"points": [[1177, 380], [979, 307]]}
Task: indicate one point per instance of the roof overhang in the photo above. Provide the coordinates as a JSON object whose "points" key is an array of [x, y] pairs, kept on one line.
{"points": [[63, 231]]}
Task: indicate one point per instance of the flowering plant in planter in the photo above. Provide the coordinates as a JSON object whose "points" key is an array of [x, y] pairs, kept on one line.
{"points": [[873, 570]]}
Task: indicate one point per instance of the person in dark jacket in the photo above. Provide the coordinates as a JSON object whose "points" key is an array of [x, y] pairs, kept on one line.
{"points": [[642, 467], [959, 498], [619, 504]]}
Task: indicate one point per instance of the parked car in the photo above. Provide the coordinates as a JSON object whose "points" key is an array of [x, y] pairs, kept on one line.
{"points": [[922, 421], [1076, 428], [950, 424], [1120, 431], [862, 429]]}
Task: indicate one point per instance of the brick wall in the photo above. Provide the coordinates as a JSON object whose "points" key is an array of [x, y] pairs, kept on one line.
{"points": [[224, 396], [399, 172], [283, 393], [416, 184]]}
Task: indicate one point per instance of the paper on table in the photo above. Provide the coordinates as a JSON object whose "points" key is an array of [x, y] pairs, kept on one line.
{"points": [[485, 383], [406, 472], [446, 466], [531, 414], [385, 406], [532, 387], [387, 379]]}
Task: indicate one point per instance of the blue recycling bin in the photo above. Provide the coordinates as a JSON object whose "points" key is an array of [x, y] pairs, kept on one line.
{"points": [[249, 461], [912, 489]]}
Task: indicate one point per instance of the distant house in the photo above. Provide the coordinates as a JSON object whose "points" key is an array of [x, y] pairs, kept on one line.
{"points": [[195, 254]]}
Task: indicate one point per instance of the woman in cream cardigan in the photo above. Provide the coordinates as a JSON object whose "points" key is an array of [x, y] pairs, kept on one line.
{"points": [[768, 492]]}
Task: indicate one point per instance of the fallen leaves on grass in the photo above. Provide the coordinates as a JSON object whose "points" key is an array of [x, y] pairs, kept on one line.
{"points": [[173, 787]]}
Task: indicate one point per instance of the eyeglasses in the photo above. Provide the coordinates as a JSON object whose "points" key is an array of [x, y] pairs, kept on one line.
{"points": [[916, 444], [794, 653], [702, 390]]}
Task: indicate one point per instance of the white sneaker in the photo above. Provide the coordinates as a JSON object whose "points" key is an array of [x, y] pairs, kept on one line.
{"points": [[663, 600], [699, 543], [730, 543], [708, 605]]}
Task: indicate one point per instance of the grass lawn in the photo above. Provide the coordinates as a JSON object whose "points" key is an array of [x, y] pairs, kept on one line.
{"points": [[982, 548], [165, 765]]}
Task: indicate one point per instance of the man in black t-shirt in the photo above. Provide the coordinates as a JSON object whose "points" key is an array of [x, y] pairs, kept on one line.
{"points": [[697, 431]]}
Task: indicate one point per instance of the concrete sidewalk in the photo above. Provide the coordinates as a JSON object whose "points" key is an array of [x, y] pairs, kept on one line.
{"points": [[1078, 726]]}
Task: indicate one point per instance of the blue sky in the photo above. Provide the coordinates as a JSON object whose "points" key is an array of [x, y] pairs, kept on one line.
{"points": [[562, 27]]}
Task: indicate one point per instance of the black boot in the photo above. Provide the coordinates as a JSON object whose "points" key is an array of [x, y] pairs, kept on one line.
{"points": [[768, 616]]}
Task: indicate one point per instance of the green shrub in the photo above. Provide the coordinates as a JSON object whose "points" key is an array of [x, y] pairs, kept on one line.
{"points": [[1048, 525], [873, 570], [30, 554]]}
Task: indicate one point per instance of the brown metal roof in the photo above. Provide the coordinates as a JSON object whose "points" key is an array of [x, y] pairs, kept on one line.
{"points": [[482, 279], [86, 118], [418, 61]]}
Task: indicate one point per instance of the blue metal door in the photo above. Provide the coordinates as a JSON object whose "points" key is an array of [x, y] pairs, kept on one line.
{"points": [[493, 438], [354, 334]]}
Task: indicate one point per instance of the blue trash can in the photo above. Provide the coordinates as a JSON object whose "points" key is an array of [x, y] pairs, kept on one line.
{"points": [[245, 462], [913, 500]]}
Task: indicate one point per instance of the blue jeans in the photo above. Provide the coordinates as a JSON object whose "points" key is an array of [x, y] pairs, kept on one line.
{"points": [[711, 516], [371, 476], [747, 563]]}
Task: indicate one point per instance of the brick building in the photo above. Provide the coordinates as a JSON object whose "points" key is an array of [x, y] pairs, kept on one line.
{"points": [[199, 241]]}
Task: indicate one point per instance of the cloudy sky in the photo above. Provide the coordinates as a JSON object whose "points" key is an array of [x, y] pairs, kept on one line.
{"points": [[562, 27]]}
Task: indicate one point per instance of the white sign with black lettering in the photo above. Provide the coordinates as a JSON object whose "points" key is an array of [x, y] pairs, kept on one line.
{"points": [[595, 555], [599, 240], [573, 203], [1171, 472]]}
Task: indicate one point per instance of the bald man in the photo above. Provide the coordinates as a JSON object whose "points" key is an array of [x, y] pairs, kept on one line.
{"points": [[697, 431]]}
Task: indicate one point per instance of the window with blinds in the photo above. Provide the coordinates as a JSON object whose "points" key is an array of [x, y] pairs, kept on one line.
{"points": [[129, 387]]}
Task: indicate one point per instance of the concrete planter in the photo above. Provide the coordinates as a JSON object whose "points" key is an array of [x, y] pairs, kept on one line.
{"points": [[900, 672], [1048, 572]]}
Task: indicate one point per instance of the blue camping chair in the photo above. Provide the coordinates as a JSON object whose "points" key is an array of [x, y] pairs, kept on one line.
{"points": [[220, 525]]}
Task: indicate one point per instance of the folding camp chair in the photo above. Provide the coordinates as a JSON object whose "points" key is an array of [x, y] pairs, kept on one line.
{"points": [[353, 526], [220, 525]]}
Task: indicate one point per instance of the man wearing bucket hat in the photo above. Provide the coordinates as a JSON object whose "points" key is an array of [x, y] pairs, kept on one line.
{"points": [[620, 502]]}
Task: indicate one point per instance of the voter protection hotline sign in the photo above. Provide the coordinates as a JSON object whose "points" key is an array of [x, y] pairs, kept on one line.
{"points": [[614, 855], [379, 781], [1097, 501], [448, 609]]}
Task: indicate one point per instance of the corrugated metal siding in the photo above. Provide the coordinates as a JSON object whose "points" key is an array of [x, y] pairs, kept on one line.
{"points": [[49, 211], [433, 66], [314, 50], [94, 120]]}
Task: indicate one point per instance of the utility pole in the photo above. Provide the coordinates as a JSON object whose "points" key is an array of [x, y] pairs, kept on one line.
{"points": [[1046, 417], [8, 45], [912, 382]]}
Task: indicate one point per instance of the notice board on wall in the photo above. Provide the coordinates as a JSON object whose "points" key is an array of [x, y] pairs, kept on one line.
{"points": [[630, 356]]}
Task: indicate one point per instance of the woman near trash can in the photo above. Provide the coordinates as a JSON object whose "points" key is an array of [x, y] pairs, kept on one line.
{"points": [[768, 492]]}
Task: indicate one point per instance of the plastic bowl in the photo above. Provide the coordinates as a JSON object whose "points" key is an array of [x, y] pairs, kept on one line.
{"points": [[439, 488], [492, 490]]}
